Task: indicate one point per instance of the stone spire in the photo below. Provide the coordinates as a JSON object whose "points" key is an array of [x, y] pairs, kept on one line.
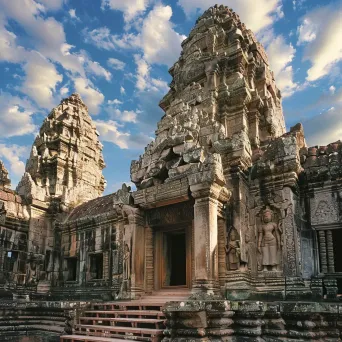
{"points": [[5, 182], [222, 98], [66, 158]]}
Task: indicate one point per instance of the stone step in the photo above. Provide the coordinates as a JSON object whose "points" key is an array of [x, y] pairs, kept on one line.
{"points": [[33, 327], [78, 338], [117, 313], [141, 305], [134, 322], [141, 334], [29, 322]]}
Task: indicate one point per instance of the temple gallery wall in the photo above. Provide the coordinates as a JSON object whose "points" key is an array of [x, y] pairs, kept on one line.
{"points": [[230, 207]]}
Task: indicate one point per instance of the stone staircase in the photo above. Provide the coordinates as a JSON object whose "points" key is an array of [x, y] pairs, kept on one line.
{"points": [[21, 321], [138, 320]]}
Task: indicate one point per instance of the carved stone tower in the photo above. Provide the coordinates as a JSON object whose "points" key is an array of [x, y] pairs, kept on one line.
{"points": [[223, 99], [5, 182], [66, 159]]}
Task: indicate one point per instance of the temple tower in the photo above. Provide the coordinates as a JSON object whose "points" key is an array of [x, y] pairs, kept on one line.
{"points": [[222, 111], [66, 158]]}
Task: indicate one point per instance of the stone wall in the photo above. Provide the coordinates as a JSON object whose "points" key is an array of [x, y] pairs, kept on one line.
{"points": [[209, 318]]}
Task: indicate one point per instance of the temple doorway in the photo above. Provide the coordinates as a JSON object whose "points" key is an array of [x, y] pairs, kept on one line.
{"points": [[174, 251], [173, 258]]}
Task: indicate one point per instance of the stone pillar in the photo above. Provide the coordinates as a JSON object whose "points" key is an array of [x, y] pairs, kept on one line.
{"points": [[137, 258], [205, 277], [323, 251], [149, 260], [330, 252]]}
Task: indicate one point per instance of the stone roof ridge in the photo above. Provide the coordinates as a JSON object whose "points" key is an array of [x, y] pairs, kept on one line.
{"points": [[91, 209]]}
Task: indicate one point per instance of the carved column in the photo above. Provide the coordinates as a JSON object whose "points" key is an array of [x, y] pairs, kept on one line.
{"points": [[323, 251], [330, 252], [205, 276], [136, 221], [149, 267]]}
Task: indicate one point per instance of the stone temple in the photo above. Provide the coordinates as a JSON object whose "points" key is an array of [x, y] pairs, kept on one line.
{"points": [[233, 234]]}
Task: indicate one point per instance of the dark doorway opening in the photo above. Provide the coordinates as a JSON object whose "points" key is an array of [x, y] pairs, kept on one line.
{"points": [[175, 263], [96, 266], [337, 241], [72, 269]]}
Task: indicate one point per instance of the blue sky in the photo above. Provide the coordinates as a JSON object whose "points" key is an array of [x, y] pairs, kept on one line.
{"points": [[116, 54]]}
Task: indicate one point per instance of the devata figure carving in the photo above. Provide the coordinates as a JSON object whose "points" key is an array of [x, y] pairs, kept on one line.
{"points": [[269, 241], [233, 251], [126, 263]]}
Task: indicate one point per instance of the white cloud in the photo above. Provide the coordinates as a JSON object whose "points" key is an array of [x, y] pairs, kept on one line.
{"points": [[64, 91], [92, 97], [109, 131], [280, 55], [114, 102], [143, 79], [47, 36], [52, 5], [103, 39], [41, 80], [160, 43], [332, 90], [122, 90], [130, 8], [255, 14], [317, 133], [13, 154], [100, 37], [96, 69], [116, 64], [321, 33], [72, 14], [15, 116], [9, 50], [143, 70], [297, 4], [124, 116]]}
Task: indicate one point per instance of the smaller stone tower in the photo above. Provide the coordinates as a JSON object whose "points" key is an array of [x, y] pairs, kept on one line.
{"points": [[66, 159], [5, 182]]}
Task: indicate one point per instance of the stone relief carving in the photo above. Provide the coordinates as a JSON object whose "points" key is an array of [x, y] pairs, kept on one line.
{"points": [[269, 240], [126, 263], [325, 212], [233, 253]]}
